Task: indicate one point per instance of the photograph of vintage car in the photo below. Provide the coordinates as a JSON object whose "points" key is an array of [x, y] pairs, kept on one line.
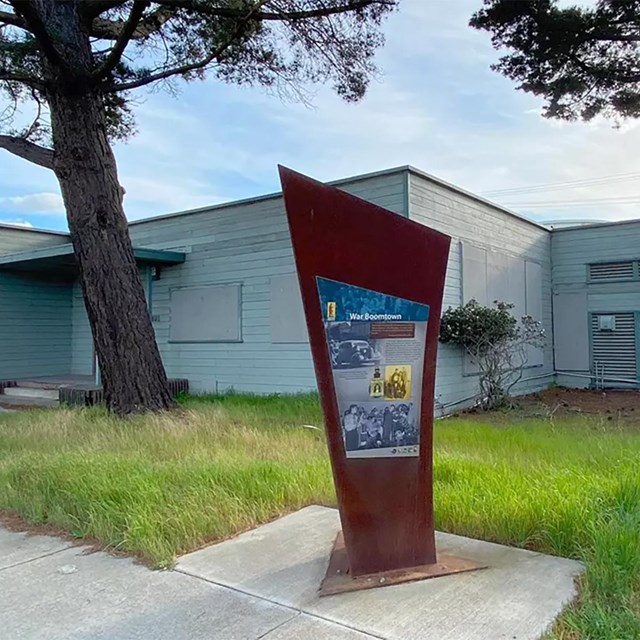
{"points": [[353, 353], [350, 345]]}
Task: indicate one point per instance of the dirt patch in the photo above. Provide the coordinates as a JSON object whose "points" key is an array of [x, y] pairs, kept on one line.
{"points": [[610, 404], [13, 522]]}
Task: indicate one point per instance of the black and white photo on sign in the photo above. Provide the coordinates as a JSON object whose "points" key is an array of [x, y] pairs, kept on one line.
{"points": [[350, 345], [378, 425]]}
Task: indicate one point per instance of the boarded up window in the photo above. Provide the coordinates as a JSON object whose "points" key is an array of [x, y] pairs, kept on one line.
{"points": [[207, 314], [498, 277], [533, 286], [474, 274], [490, 275], [571, 331], [287, 315]]}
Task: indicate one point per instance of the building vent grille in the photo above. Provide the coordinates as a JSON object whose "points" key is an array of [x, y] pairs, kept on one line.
{"points": [[611, 271], [614, 352]]}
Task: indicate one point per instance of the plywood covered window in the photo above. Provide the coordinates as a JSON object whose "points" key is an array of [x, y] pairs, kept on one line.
{"points": [[288, 325], [206, 314], [571, 331], [491, 275], [533, 305]]}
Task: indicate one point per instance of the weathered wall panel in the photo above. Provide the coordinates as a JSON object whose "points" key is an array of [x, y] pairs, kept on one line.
{"points": [[573, 250], [35, 326], [473, 222]]}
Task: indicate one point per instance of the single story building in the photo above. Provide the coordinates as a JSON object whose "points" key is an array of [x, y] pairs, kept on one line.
{"points": [[225, 304]]}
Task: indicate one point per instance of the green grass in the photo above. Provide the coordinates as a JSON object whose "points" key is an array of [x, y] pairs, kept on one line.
{"points": [[160, 486]]}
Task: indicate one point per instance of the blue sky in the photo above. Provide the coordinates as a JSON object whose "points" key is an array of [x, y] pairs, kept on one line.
{"points": [[436, 105]]}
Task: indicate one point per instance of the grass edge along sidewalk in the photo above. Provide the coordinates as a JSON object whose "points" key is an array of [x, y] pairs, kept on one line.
{"points": [[158, 486]]}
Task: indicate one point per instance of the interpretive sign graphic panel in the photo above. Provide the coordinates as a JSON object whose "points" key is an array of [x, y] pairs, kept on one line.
{"points": [[376, 345]]}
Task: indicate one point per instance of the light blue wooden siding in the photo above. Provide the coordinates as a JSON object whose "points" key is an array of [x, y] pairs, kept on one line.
{"points": [[574, 249], [245, 244], [13, 240], [82, 341], [82, 355], [35, 326], [466, 219], [35, 314]]}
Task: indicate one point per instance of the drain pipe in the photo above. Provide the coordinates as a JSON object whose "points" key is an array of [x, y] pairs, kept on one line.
{"points": [[601, 378], [476, 396]]}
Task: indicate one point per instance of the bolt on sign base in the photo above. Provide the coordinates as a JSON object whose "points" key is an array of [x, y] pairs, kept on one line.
{"points": [[338, 578]]}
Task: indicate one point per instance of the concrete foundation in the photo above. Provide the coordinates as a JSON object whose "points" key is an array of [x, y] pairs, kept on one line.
{"points": [[518, 596]]}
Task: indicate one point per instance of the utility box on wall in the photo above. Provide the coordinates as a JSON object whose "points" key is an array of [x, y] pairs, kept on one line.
{"points": [[606, 323]]}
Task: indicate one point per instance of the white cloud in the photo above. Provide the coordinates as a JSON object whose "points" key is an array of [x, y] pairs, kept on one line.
{"points": [[41, 203], [18, 223], [149, 196]]}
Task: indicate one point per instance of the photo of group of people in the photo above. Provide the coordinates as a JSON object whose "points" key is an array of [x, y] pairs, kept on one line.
{"points": [[378, 426], [397, 382], [395, 385]]}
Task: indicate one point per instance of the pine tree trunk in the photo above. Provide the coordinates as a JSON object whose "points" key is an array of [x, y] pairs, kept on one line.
{"points": [[133, 375]]}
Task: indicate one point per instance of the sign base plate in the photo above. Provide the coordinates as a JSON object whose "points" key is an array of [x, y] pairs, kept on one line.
{"points": [[338, 578]]}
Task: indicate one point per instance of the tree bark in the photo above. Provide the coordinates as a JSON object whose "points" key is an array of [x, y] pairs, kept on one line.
{"points": [[133, 375]]}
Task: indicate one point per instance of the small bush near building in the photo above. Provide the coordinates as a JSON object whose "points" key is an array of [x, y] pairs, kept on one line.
{"points": [[497, 343]]}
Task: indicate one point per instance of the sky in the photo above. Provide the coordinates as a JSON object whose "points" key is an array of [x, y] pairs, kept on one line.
{"points": [[435, 105]]}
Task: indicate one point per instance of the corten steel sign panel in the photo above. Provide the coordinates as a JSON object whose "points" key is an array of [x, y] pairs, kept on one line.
{"points": [[372, 284]]}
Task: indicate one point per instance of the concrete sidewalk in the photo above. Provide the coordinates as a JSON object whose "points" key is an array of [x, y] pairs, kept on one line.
{"points": [[263, 584], [52, 590]]}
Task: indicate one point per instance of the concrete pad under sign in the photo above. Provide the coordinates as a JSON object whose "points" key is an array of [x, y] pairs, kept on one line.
{"points": [[518, 596]]}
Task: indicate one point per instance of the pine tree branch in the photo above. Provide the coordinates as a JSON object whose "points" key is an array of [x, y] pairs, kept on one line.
{"points": [[123, 40], [7, 18], [322, 12], [22, 148], [112, 29], [30, 81], [35, 25], [605, 73], [612, 37], [193, 66], [91, 9], [167, 73]]}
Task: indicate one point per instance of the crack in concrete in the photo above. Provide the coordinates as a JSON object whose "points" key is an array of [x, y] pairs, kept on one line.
{"points": [[44, 555], [366, 634], [278, 626]]}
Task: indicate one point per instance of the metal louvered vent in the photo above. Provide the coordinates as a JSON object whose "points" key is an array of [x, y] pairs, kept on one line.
{"points": [[611, 271], [614, 352]]}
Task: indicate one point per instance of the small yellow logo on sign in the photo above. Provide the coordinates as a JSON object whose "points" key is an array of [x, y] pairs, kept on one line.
{"points": [[331, 310]]}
